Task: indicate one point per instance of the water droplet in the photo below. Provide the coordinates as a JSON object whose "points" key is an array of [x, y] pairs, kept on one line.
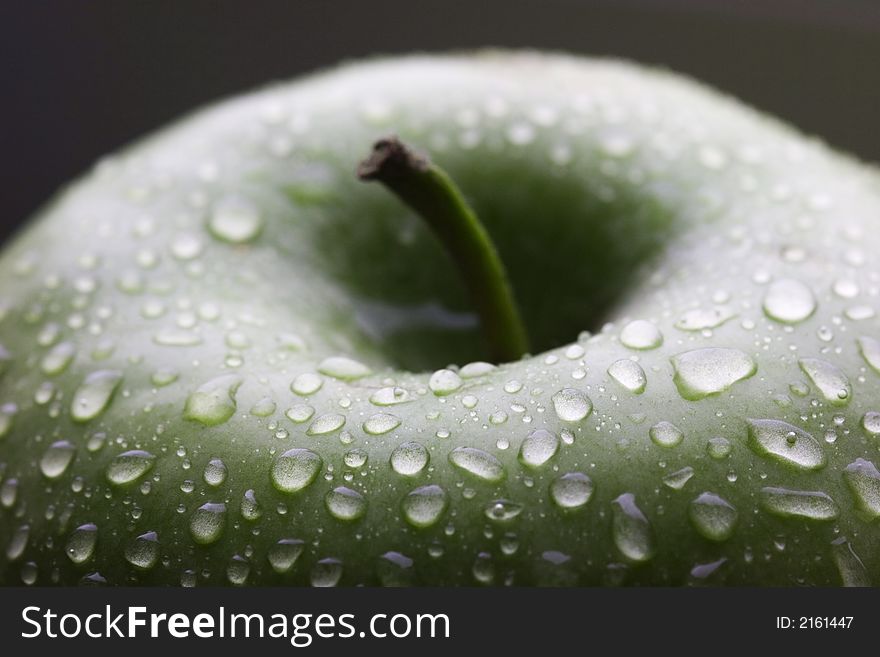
{"points": [[703, 372], [284, 554], [572, 490], [56, 459], [702, 319], [666, 434], [129, 466], [831, 381], [572, 405], [345, 504], [8, 492], [484, 569], [143, 551], [81, 543], [409, 458], [628, 374], [381, 423], [641, 334], [355, 458], [163, 377], [718, 447], [341, 367], [502, 510], [263, 407], [870, 350], [785, 443], [215, 472], [863, 480], [18, 542], [849, 565], [94, 394], [300, 413], [631, 530], [7, 415], [327, 423], [235, 219], [538, 447], [238, 570], [871, 423], [423, 506], [58, 358], [250, 508], [186, 246], [713, 517], [213, 402], [444, 382], [326, 573], [307, 383], [389, 396], [812, 505], [207, 523], [678, 479], [395, 569], [789, 301], [29, 573], [476, 369], [295, 469], [478, 463]]}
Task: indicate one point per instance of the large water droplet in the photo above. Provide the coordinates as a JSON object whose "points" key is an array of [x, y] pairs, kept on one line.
{"points": [[129, 466], [484, 568], [284, 554], [94, 394], [327, 423], [641, 334], [444, 382], [478, 463], [295, 469], [713, 517], [345, 504], [789, 301], [572, 405], [678, 479], [786, 443], [389, 396], [423, 506], [58, 358], [831, 381], [18, 542], [812, 505], [250, 508], [870, 350], [143, 551], [207, 523], [631, 530], [307, 383], [81, 543], [395, 569], [300, 413], [863, 480], [702, 319], [215, 472], [341, 367], [213, 402], [409, 458], [538, 447], [381, 423], [628, 374], [502, 510], [476, 369], [851, 568], [871, 423], [666, 434], [238, 570], [56, 459], [703, 372], [326, 573], [572, 490], [235, 219]]}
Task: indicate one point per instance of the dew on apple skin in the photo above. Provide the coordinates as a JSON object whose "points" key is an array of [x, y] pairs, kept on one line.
{"points": [[483, 569], [572, 490], [678, 479], [238, 570], [207, 523], [18, 542], [478, 463], [789, 301], [263, 407], [295, 469], [58, 358], [343, 368], [444, 382], [307, 383], [327, 423], [213, 402], [93, 395], [299, 413], [829, 379], [850, 567], [628, 374], [538, 447], [250, 508], [326, 573], [807, 504], [631, 531], [380, 423], [409, 458], [703, 372], [143, 551], [215, 472], [389, 396], [785, 443], [870, 350], [235, 219], [8, 492], [81, 543], [863, 480], [665, 434], [355, 458], [284, 554], [701, 319], [641, 334], [718, 447], [572, 405], [502, 510], [424, 506], [713, 517], [476, 369], [57, 458], [129, 466]]}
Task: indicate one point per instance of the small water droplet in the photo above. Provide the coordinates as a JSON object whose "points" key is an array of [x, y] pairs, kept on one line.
{"points": [[143, 551], [572, 490], [478, 463], [395, 569], [381, 423], [871, 423], [263, 407], [57, 458], [18, 542], [307, 383], [631, 530], [702, 319], [129, 466], [235, 219], [718, 447], [207, 523], [300, 413], [58, 358], [326, 573], [628, 374], [831, 381], [343, 368], [250, 508], [666, 434], [389, 396], [409, 458], [641, 334], [870, 350], [295, 469], [502, 510], [789, 301], [785, 443], [863, 480], [812, 505], [284, 554], [476, 369], [215, 472], [678, 479], [423, 506], [213, 402], [238, 570], [713, 517], [94, 394], [484, 568], [444, 382], [703, 372], [538, 447], [81, 543], [327, 423], [572, 405]]}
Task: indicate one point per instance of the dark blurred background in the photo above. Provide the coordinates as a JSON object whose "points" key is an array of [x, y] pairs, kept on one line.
{"points": [[80, 79]]}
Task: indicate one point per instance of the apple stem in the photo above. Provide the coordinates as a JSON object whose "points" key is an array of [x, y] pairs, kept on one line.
{"points": [[427, 189]]}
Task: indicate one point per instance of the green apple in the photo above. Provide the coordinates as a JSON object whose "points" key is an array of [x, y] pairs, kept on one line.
{"points": [[226, 359]]}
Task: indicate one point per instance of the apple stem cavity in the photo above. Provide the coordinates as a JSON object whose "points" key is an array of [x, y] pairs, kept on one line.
{"points": [[432, 194]]}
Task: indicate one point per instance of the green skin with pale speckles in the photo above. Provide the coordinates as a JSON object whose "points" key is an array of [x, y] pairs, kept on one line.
{"points": [[204, 269]]}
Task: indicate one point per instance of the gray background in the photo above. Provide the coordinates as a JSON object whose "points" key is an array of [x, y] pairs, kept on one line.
{"points": [[80, 79]]}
